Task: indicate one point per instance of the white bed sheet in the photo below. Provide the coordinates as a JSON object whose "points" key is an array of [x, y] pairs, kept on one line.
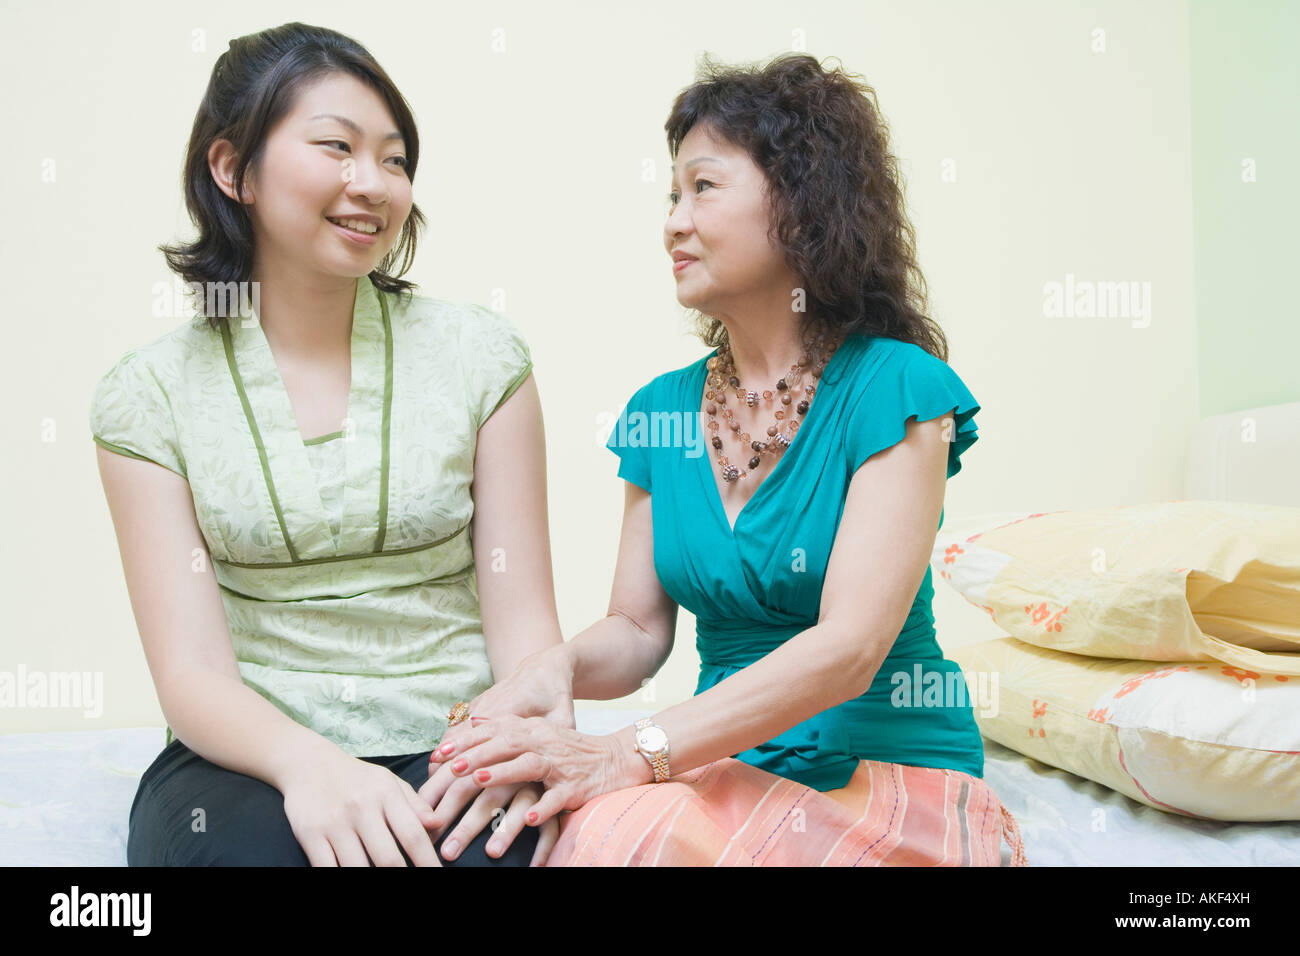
{"points": [[1056, 810], [65, 799]]}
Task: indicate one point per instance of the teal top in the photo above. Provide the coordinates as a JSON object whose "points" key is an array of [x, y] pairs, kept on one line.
{"points": [[754, 587]]}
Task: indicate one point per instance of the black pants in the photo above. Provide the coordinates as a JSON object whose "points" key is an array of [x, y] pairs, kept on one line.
{"points": [[243, 821]]}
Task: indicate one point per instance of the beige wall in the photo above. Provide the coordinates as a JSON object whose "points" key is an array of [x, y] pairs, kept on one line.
{"points": [[1069, 160]]}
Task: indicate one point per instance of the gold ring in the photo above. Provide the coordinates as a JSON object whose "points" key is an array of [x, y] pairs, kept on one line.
{"points": [[459, 714]]}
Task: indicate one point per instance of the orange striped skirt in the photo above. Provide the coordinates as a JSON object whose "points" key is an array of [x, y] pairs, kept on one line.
{"points": [[729, 813]]}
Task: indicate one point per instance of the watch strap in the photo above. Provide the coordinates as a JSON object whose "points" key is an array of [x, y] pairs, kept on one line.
{"points": [[658, 762]]}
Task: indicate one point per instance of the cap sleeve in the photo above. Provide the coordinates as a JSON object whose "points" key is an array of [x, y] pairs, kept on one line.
{"points": [[130, 414], [913, 385], [634, 455], [496, 359]]}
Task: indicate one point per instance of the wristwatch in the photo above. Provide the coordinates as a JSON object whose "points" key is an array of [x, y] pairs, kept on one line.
{"points": [[652, 743]]}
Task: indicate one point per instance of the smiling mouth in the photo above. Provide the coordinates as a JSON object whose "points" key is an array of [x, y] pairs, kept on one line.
{"points": [[359, 232]]}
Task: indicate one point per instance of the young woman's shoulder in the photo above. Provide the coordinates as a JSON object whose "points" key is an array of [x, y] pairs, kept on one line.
{"points": [[464, 344], [469, 325], [168, 350], [135, 404]]}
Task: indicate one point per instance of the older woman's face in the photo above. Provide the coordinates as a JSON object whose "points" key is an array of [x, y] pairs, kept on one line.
{"points": [[720, 215]]}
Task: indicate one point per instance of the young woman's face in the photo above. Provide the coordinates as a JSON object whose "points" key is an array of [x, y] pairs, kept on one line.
{"points": [[720, 215], [336, 156]]}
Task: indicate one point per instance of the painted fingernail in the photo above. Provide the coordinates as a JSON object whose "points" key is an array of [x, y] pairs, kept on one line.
{"points": [[532, 816], [460, 765], [483, 776], [446, 748]]}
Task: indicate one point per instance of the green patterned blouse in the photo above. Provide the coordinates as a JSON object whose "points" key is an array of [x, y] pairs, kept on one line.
{"points": [[345, 565]]}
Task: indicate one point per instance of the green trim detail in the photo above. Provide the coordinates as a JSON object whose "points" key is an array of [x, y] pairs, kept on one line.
{"points": [[118, 449], [257, 439], [266, 467], [510, 390], [321, 439], [388, 418], [343, 557]]}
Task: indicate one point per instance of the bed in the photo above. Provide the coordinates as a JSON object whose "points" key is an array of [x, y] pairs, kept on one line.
{"points": [[65, 797], [64, 800]]}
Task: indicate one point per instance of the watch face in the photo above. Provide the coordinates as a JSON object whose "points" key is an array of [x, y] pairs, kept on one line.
{"points": [[652, 740]]}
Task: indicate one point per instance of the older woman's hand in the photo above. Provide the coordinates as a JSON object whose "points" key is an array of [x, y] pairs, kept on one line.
{"points": [[574, 767], [541, 686]]}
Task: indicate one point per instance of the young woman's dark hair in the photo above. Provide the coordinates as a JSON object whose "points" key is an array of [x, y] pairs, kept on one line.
{"points": [[251, 89], [837, 201]]}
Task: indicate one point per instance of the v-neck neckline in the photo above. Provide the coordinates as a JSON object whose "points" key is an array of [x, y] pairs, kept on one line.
{"points": [[290, 479], [829, 376]]}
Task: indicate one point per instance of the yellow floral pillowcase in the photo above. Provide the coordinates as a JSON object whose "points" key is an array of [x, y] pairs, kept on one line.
{"points": [[1175, 581], [1197, 738]]}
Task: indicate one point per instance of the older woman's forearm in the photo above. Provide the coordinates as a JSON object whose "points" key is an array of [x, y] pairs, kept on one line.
{"points": [[612, 658], [812, 672]]}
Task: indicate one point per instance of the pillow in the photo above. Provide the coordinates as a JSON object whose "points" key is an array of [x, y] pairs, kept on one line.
{"points": [[1176, 581], [1207, 740]]}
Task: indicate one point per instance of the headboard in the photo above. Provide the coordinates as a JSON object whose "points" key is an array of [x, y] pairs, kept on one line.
{"points": [[1249, 456]]}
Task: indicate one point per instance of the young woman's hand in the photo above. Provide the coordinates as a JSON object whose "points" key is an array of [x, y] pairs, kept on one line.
{"points": [[504, 808], [342, 809]]}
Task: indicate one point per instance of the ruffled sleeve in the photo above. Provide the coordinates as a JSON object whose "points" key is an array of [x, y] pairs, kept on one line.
{"points": [[130, 414], [634, 455], [912, 385], [496, 359]]}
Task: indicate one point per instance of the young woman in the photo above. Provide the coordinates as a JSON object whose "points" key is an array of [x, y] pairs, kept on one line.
{"points": [[347, 534], [801, 542]]}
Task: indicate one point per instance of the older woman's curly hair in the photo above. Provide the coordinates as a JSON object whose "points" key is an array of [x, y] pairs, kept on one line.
{"points": [[836, 197]]}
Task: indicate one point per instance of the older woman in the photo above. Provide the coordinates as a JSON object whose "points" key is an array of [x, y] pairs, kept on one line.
{"points": [[801, 543]]}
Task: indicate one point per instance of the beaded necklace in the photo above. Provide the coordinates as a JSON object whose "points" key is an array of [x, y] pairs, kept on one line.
{"points": [[722, 369]]}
